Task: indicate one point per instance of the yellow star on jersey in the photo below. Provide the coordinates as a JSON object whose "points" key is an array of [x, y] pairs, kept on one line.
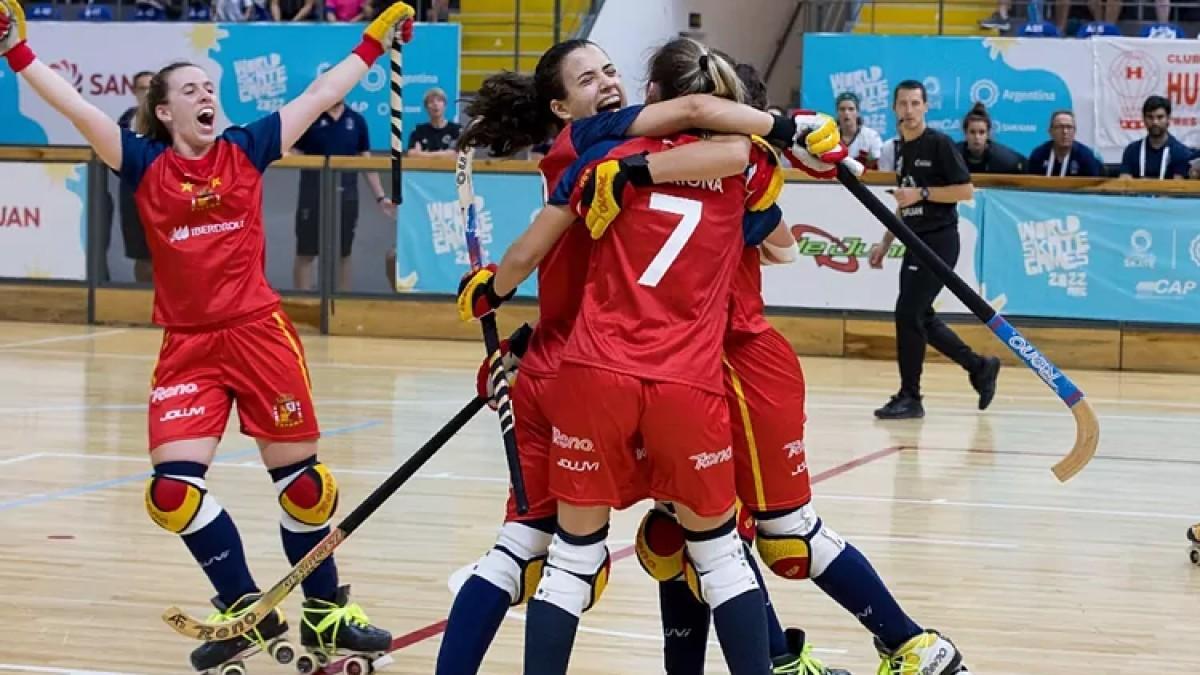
{"points": [[216, 182], [186, 187]]}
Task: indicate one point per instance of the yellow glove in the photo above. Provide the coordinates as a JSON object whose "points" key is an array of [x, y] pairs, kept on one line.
{"points": [[12, 25], [819, 131], [399, 15]]}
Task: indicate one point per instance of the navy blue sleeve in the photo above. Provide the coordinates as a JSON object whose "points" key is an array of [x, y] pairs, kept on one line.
{"points": [[566, 183], [606, 125], [1128, 161], [758, 225], [1037, 162], [1089, 163], [137, 154], [1181, 160], [260, 140]]}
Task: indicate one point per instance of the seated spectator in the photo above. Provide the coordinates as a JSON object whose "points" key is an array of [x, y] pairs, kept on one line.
{"points": [[347, 11], [233, 11], [293, 10], [1062, 155], [864, 143], [1159, 155], [980, 152], [438, 137]]}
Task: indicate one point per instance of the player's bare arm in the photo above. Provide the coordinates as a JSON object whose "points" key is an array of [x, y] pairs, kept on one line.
{"points": [[101, 132], [524, 254], [300, 113]]}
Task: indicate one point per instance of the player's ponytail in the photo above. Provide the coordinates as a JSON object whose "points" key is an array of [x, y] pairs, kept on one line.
{"points": [[684, 66], [146, 122], [512, 111]]}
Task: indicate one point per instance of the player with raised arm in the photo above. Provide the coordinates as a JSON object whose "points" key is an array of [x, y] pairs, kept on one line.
{"points": [[225, 338], [573, 81]]}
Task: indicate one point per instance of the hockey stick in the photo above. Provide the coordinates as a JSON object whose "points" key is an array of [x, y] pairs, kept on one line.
{"points": [[397, 105], [1087, 427], [223, 630], [491, 341]]}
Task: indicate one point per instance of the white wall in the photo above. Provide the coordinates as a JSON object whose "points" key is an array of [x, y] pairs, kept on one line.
{"points": [[630, 30]]}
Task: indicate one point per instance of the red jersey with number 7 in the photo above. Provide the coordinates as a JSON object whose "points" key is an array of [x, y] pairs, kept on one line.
{"points": [[657, 292]]}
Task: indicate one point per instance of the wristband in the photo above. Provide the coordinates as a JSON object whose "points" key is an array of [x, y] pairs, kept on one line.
{"points": [[783, 130], [369, 50], [19, 57], [637, 169]]}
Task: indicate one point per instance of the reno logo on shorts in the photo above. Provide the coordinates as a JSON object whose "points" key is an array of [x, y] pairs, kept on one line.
{"points": [[182, 413], [288, 412], [160, 394], [706, 460], [571, 442]]}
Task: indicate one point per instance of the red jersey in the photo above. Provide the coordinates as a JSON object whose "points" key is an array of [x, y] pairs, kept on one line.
{"points": [[203, 222], [747, 313], [562, 272], [657, 294]]}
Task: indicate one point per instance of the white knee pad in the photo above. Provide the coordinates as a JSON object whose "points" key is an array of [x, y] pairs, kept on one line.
{"points": [[798, 545], [575, 575], [721, 569], [515, 563]]}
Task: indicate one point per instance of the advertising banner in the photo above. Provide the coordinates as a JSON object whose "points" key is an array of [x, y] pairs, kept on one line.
{"points": [[43, 221], [1093, 257], [256, 68]]}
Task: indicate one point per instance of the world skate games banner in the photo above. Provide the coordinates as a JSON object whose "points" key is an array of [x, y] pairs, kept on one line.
{"points": [[43, 221], [1020, 80], [1033, 254], [256, 68]]}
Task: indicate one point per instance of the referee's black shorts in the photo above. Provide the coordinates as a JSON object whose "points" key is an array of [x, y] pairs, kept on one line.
{"points": [[308, 222]]}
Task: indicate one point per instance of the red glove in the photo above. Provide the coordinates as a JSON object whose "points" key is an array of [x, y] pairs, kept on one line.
{"points": [[511, 351], [823, 166]]}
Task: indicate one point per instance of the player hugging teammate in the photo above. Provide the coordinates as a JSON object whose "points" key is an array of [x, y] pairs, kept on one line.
{"points": [[225, 338], [630, 357]]}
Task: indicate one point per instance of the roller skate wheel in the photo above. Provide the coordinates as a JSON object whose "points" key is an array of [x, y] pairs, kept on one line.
{"points": [[235, 668], [357, 665], [282, 651], [306, 664], [1195, 556]]}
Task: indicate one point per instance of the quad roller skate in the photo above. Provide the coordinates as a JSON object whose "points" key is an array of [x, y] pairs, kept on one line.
{"points": [[1193, 536], [332, 629], [799, 660], [228, 657], [928, 653]]}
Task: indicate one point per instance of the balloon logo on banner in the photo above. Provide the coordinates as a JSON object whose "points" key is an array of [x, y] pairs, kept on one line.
{"points": [[1194, 250], [1134, 76]]}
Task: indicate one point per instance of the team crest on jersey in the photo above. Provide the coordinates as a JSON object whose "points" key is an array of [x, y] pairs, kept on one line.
{"points": [[288, 412], [203, 196]]}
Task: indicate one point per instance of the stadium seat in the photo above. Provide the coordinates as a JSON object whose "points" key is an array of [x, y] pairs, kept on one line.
{"points": [[44, 11], [96, 13], [149, 13], [200, 13], [1168, 31], [1039, 29], [1101, 28]]}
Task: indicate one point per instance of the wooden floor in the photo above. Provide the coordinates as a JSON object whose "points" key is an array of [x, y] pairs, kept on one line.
{"points": [[959, 513]]}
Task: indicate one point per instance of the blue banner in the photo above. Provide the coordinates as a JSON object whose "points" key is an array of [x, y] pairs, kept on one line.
{"points": [[956, 73], [256, 68], [1087, 256], [431, 251]]}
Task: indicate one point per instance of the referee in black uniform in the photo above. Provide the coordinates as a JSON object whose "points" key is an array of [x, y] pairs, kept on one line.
{"points": [[932, 179]]}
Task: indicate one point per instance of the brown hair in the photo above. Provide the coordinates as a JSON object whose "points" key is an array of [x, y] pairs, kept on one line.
{"points": [[145, 121], [978, 113], [512, 111], [684, 66]]}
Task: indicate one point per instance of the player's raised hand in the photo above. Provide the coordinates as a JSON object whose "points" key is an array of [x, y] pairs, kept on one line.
{"points": [[397, 19], [477, 294], [12, 25], [817, 133], [511, 351]]}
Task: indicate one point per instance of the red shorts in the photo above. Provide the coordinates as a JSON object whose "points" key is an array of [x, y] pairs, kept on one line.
{"points": [[765, 389], [534, 432], [259, 364], [597, 416]]}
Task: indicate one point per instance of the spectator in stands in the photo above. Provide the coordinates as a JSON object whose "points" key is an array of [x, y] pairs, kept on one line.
{"points": [[438, 137], [887, 154], [864, 143], [232, 11], [980, 152], [338, 132], [1062, 155], [132, 232], [347, 11], [293, 10], [1158, 155]]}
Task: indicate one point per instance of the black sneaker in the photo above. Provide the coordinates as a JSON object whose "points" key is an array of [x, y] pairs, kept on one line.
{"points": [[902, 406], [984, 381], [996, 22]]}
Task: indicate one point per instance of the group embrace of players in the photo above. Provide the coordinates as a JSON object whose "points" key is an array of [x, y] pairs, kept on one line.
{"points": [[652, 371]]}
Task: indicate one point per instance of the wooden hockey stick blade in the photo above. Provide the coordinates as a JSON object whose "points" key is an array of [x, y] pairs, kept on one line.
{"points": [[1087, 437], [189, 626]]}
